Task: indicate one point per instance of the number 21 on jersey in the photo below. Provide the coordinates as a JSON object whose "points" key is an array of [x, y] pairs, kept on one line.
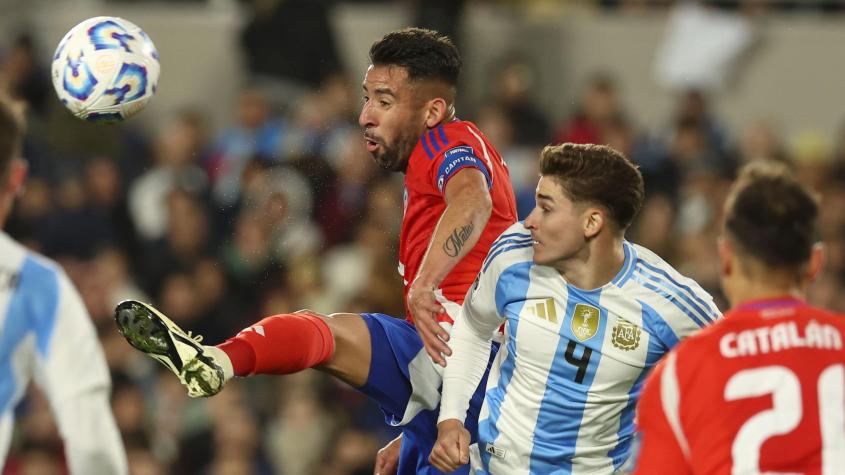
{"points": [[786, 413]]}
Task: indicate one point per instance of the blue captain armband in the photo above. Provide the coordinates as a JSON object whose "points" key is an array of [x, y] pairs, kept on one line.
{"points": [[457, 158]]}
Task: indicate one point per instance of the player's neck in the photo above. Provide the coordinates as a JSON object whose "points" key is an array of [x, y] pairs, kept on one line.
{"points": [[598, 263], [743, 290]]}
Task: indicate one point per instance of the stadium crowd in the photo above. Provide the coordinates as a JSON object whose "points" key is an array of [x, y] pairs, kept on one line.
{"points": [[284, 209]]}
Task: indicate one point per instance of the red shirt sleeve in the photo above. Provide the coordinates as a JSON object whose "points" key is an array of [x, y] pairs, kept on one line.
{"points": [[660, 452], [450, 151]]}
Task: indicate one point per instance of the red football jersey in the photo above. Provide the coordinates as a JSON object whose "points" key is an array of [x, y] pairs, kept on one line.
{"points": [[439, 155], [761, 391]]}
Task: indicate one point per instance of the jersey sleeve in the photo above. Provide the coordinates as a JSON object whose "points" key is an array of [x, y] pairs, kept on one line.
{"points": [[71, 369], [660, 449], [449, 155], [676, 306], [470, 342]]}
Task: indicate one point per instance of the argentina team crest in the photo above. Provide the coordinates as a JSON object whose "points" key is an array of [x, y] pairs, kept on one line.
{"points": [[585, 321], [625, 335]]}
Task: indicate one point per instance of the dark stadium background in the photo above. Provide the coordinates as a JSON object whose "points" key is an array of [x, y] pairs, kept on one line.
{"points": [[243, 190]]}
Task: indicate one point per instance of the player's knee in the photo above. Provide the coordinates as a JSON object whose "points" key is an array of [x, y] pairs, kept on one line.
{"points": [[352, 347]]}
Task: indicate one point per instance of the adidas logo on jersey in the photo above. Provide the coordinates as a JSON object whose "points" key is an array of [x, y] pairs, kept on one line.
{"points": [[495, 451], [544, 309], [255, 328]]}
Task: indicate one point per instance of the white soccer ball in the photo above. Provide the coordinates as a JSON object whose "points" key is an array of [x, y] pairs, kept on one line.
{"points": [[105, 69]]}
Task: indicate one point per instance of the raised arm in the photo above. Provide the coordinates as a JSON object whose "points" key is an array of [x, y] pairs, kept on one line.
{"points": [[468, 208], [72, 371], [471, 343]]}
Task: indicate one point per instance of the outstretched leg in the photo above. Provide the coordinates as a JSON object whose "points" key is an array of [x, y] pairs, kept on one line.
{"points": [[338, 344], [282, 344], [380, 355]]}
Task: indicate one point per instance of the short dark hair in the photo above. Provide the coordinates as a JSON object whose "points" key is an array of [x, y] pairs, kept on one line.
{"points": [[11, 130], [425, 54], [598, 174], [771, 217]]}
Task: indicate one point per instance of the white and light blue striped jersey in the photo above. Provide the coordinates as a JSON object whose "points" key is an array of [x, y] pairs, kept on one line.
{"points": [[47, 336], [560, 397]]}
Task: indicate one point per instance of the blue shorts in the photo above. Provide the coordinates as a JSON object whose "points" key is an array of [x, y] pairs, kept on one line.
{"points": [[406, 383]]}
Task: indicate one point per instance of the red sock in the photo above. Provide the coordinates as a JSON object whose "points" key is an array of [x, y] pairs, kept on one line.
{"points": [[281, 344]]}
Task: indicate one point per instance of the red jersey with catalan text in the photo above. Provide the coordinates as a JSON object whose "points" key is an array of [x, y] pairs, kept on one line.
{"points": [[761, 391], [440, 154]]}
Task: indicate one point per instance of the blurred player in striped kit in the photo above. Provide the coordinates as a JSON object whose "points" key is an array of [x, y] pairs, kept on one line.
{"points": [[458, 198], [586, 314], [47, 335], [762, 391]]}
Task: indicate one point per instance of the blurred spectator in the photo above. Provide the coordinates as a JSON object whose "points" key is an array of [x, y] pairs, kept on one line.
{"points": [[22, 76], [513, 85], [178, 148], [761, 142], [693, 109], [142, 461], [39, 459], [256, 134], [185, 242], [299, 433], [351, 454], [523, 166], [73, 226], [107, 197], [282, 199], [599, 105], [346, 200], [284, 209], [273, 43], [443, 16]]}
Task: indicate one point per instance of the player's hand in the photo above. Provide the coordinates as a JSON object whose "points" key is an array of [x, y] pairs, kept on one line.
{"points": [[387, 460], [452, 447], [424, 309]]}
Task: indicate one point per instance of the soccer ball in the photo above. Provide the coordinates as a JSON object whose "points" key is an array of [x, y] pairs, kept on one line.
{"points": [[105, 69]]}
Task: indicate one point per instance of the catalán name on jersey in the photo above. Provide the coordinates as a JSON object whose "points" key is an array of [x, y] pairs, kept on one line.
{"points": [[762, 391]]}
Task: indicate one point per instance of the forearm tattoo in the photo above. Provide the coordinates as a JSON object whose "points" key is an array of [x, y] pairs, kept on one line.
{"points": [[454, 243]]}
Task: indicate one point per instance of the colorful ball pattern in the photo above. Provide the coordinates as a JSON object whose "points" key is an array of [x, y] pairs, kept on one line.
{"points": [[105, 69]]}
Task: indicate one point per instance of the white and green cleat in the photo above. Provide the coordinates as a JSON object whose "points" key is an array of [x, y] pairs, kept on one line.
{"points": [[148, 330]]}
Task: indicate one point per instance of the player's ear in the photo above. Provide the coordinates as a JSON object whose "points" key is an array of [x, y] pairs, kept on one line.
{"points": [[814, 266], [437, 112], [594, 222], [17, 176], [725, 256]]}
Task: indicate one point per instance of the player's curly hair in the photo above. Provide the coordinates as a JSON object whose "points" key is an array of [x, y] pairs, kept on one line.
{"points": [[771, 217], [11, 129], [598, 174], [425, 54]]}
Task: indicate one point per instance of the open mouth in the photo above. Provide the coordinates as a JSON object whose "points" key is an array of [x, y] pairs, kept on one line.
{"points": [[370, 141]]}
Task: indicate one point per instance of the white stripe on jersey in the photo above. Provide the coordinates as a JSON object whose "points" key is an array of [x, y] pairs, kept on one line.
{"points": [[608, 395], [483, 150], [670, 398], [522, 398], [561, 402]]}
